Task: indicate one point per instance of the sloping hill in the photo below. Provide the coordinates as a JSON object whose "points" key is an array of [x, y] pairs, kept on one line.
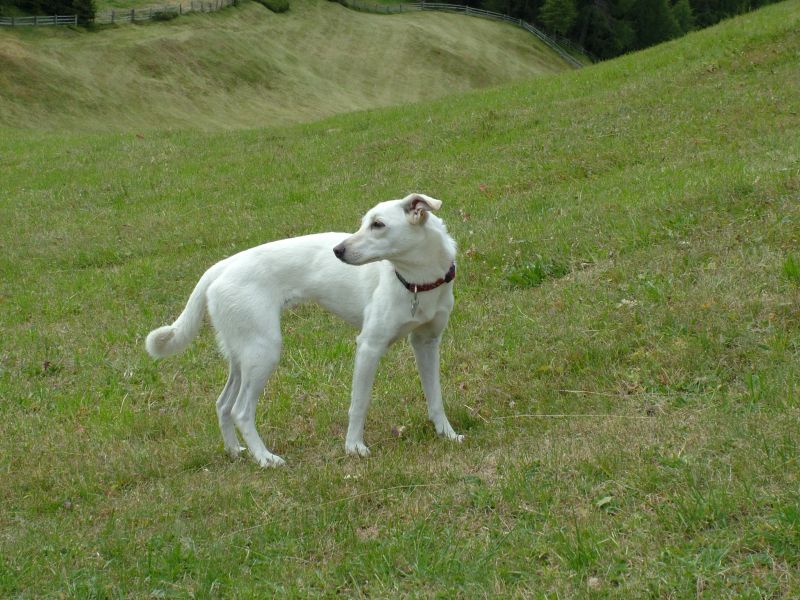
{"points": [[623, 356], [248, 67]]}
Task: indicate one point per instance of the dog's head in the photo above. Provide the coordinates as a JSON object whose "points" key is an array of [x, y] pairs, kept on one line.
{"points": [[389, 230]]}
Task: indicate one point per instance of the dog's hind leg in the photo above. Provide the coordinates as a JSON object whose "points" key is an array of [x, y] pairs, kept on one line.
{"points": [[257, 364], [426, 352], [225, 404]]}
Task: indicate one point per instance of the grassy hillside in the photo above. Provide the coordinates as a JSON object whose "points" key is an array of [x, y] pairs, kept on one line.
{"points": [[246, 67], [623, 356]]}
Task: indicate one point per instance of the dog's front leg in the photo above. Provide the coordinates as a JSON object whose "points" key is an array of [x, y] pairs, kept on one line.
{"points": [[368, 354], [426, 352]]}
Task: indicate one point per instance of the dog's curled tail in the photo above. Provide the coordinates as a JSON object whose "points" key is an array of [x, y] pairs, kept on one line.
{"points": [[171, 339]]}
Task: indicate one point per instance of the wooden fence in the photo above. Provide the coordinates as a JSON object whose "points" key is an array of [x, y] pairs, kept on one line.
{"points": [[37, 21], [123, 16], [160, 12], [557, 43]]}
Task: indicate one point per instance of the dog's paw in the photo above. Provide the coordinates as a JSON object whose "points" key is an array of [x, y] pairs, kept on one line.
{"points": [[450, 434], [356, 449], [269, 460]]}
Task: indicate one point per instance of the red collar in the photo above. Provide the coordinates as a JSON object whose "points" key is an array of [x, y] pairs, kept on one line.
{"points": [[426, 287]]}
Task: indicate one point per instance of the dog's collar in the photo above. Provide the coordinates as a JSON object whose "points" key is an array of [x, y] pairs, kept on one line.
{"points": [[426, 287]]}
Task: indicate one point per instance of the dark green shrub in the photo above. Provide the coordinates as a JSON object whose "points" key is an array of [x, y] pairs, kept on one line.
{"points": [[276, 6], [85, 9], [164, 15]]}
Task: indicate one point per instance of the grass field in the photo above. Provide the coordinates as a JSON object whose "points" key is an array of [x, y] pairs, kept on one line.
{"points": [[623, 355], [247, 66]]}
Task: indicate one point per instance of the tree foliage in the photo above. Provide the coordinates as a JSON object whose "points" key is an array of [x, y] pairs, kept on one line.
{"points": [[558, 15], [684, 17], [85, 9], [608, 28], [653, 22]]}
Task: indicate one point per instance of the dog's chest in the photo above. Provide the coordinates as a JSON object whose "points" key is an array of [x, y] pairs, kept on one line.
{"points": [[422, 307]]}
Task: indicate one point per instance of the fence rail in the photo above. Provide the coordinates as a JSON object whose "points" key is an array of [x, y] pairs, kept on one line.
{"points": [[123, 16], [36, 21], [556, 43], [160, 12]]}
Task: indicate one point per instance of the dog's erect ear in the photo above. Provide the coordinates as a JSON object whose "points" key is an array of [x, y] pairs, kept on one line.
{"points": [[417, 207]]}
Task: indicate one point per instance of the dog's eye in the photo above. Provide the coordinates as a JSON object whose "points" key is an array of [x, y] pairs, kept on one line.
{"points": [[377, 225]]}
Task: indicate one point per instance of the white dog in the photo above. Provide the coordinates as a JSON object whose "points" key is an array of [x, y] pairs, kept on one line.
{"points": [[404, 287]]}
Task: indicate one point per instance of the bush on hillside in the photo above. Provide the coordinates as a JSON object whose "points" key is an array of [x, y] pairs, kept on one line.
{"points": [[276, 6], [85, 9], [164, 15]]}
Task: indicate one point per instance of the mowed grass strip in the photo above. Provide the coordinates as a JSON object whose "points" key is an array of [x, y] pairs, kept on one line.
{"points": [[632, 413], [249, 67]]}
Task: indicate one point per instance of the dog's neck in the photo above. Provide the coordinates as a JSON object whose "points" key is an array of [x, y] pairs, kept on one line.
{"points": [[422, 266]]}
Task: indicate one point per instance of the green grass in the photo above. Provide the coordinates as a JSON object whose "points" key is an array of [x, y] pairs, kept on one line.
{"points": [[250, 67], [632, 420]]}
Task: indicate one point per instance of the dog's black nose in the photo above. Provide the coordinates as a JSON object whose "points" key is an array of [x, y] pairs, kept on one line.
{"points": [[339, 251]]}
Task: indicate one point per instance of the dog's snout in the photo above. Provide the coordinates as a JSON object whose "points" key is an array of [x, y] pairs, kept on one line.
{"points": [[339, 251]]}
